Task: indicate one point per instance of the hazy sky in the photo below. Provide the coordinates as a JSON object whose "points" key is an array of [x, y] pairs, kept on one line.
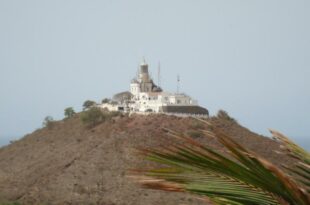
{"points": [[250, 58]]}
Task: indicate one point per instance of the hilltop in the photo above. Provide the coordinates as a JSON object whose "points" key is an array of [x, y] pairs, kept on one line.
{"points": [[69, 163]]}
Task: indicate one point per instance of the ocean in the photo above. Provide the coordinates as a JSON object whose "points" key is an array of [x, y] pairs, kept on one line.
{"points": [[304, 142]]}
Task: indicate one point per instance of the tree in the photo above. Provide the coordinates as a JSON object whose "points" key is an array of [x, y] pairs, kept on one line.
{"points": [[88, 104], [48, 122], [105, 100], [243, 178], [69, 112]]}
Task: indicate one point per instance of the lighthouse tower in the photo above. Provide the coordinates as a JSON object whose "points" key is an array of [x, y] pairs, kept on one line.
{"points": [[143, 82], [144, 79]]}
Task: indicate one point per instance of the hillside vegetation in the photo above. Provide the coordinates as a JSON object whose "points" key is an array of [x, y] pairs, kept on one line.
{"points": [[70, 163]]}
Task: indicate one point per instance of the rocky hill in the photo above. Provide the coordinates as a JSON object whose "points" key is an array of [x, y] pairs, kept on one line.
{"points": [[69, 163]]}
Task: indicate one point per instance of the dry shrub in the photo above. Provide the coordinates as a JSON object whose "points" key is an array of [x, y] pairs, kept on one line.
{"points": [[95, 116], [222, 114], [194, 133]]}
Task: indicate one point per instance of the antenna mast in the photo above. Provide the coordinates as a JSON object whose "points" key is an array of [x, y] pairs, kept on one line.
{"points": [[158, 75], [178, 84]]}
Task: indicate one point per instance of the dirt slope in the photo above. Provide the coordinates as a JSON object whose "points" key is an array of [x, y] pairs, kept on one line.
{"points": [[70, 164]]}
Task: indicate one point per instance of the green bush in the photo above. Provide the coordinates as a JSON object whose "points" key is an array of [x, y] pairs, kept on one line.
{"points": [[69, 112], [95, 116], [92, 117]]}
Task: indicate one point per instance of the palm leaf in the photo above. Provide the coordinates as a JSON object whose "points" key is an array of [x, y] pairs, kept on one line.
{"points": [[244, 178], [294, 149], [302, 167]]}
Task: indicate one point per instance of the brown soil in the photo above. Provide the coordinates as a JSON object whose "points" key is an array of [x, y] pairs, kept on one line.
{"points": [[71, 164]]}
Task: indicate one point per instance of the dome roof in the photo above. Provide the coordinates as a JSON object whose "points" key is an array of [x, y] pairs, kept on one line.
{"points": [[119, 97], [134, 80]]}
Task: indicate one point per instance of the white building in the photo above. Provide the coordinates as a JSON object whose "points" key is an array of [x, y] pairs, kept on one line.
{"points": [[145, 96]]}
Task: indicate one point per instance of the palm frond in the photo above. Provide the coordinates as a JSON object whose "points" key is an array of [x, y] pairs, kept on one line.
{"points": [[294, 149], [243, 179], [302, 167]]}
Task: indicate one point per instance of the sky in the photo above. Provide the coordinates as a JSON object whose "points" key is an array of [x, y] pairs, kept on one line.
{"points": [[250, 58]]}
